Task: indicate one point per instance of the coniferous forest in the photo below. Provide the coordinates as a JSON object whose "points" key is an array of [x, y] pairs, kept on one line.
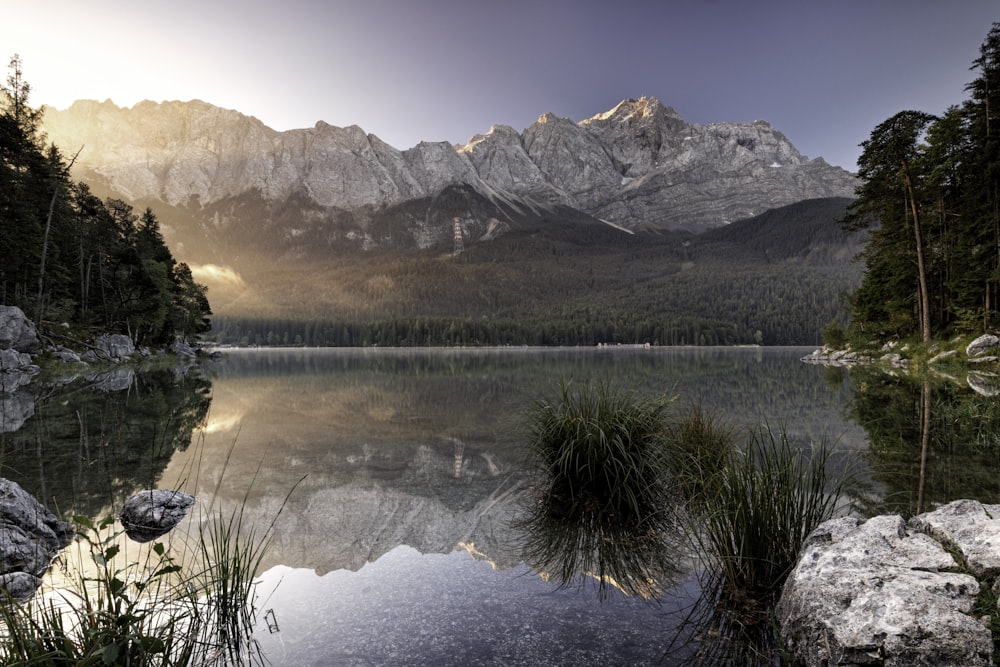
{"points": [[67, 257], [930, 196]]}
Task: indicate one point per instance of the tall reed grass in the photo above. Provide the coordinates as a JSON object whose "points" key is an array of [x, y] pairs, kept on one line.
{"points": [[186, 600], [750, 503], [118, 603]]}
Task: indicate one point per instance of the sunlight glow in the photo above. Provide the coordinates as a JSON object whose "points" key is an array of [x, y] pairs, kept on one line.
{"points": [[217, 274]]}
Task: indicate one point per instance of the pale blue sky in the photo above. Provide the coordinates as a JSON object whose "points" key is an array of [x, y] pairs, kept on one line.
{"points": [[824, 72]]}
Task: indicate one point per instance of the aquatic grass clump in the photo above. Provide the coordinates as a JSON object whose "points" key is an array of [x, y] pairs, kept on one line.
{"points": [[602, 452], [750, 506], [603, 507], [766, 500]]}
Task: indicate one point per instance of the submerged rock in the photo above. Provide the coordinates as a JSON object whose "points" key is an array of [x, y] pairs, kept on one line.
{"points": [[149, 514], [884, 592]]}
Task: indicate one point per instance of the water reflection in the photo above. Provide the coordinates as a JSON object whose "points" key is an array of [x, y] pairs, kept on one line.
{"points": [[84, 446], [403, 534], [932, 440]]}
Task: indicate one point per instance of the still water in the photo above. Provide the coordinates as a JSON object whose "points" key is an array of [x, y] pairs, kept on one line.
{"points": [[393, 479]]}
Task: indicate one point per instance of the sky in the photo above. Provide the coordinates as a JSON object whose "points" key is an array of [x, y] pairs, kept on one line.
{"points": [[823, 72]]}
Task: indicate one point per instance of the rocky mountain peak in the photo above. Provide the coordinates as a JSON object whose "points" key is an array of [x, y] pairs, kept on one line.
{"points": [[637, 165]]}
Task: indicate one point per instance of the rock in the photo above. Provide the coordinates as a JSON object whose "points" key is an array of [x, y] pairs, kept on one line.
{"points": [[182, 349], [983, 384], [877, 593], [16, 370], [149, 514], [969, 526], [16, 407], [114, 379], [19, 585], [988, 359], [981, 345], [17, 332], [30, 535], [893, 359], [116, 347], [829, 357], [66, 355]]}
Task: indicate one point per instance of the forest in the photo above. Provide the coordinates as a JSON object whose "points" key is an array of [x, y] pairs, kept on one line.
{"points": [[773, 280], [69, 259], [930, 196]]}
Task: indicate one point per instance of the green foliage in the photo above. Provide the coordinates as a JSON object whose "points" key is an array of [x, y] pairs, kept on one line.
{"points": [[144, 609], [749, 510], [962, 449], [759, 509], [67, 256], [834, 336]]}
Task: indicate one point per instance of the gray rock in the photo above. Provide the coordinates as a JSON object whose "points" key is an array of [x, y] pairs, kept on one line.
{"points": [[182, 349], [67, 355], [969, 526], [17, 332], [16, 407], [149, 514], [982, 345], [114, 379], [116, 347], [30, 535], [16, 370], [947, 354], [19, 585], [876, 593], [984, 384]]}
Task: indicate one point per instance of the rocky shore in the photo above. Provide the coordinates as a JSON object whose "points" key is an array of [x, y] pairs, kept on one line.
{"points": [[105, 362]]}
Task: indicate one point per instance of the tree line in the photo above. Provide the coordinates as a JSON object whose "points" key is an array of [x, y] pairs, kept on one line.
{"points": [[66, 256], [930, 194]]}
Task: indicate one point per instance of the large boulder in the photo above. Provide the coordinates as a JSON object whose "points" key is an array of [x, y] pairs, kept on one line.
{"points": [[881, 592], [30, 537], [982, 345], [149, 514], [17, 332], [116, 347]]}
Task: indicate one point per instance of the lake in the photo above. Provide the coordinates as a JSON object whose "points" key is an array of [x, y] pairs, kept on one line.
{"points": [[394, 478]]}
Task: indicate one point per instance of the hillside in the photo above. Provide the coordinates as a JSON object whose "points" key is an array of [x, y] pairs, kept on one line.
{"points": [[575, 282]]}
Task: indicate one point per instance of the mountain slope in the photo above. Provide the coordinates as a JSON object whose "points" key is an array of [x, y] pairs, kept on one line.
{"points": [[559, 282]]}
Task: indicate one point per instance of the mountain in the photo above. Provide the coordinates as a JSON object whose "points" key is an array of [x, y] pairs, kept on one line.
{"points": [[224, 184]]}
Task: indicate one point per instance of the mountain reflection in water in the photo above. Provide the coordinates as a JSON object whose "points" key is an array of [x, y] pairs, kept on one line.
{"points": [[400, 545]]}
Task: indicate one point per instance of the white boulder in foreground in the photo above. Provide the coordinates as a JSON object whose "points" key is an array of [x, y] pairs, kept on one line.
{"points": [[886, 592]]}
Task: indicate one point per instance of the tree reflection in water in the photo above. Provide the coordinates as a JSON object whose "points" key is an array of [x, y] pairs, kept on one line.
{"points": [[932, 440]]}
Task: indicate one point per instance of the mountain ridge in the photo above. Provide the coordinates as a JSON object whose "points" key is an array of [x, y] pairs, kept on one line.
{"points": [[636, 166]]}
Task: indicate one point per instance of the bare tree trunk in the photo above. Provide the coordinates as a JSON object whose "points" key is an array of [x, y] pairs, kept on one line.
{"points": [[925, 314]]}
